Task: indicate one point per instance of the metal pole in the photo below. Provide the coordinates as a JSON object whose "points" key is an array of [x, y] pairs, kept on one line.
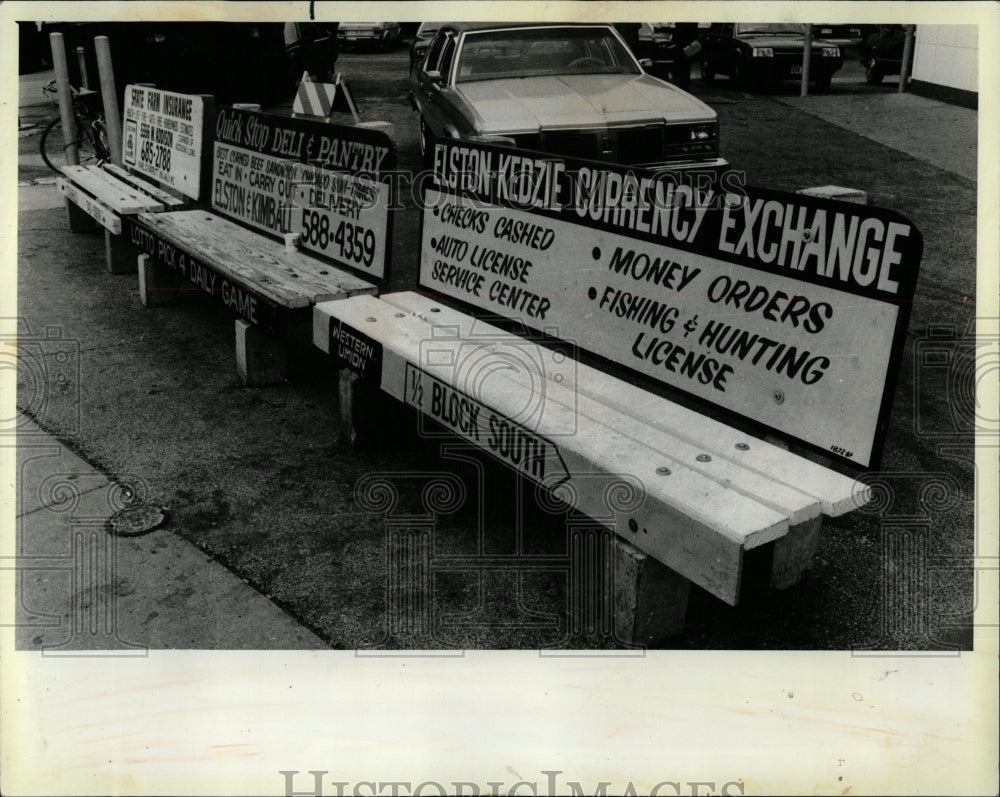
{"points": [[109, 93], [806, 60], [72, 149], [904, 69], [81, 59]]}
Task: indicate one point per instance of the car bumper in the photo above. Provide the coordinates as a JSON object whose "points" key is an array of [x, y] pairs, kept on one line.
{"points": [[710, 165], [791, 69]]}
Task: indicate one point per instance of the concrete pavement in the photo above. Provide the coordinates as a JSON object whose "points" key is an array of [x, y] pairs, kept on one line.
{"points": [[81, 588]]}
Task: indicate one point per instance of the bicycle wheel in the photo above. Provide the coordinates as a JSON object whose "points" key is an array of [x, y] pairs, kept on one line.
{"points": [[53, 147]]}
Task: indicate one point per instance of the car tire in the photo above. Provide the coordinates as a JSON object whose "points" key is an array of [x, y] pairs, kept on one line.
{"points": [[425, 138], [873, 75], [823, 83], [707, 73]]}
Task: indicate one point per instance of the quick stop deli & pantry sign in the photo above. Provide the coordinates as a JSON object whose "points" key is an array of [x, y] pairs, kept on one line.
{"points": [[786, 309], [324, 181]]}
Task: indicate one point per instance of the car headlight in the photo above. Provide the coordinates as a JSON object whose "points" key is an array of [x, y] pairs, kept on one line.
{"points": [[763, 52], [831, 52], [704, 132]]}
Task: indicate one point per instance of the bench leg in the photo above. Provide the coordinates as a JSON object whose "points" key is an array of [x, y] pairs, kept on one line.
{"points": [[793, 553], [260, 359], [360, 424], [78, 220], [120, 255], [650, 598], [158, 285]]}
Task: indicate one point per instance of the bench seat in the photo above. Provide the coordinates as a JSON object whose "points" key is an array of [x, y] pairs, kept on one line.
{"points": [[270, 287], [108, 193], [697, 517], [289, 279], [764, 469]]}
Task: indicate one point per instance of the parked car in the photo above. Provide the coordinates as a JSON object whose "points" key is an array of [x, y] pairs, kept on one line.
{"points": [[882, 53], [374, 34], [757, 53], [839, 33], [565, 89], [312, 48], [657, 52], [421, 41]]}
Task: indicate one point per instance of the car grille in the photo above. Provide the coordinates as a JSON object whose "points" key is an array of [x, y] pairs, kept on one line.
{"points": [[628, 146]]}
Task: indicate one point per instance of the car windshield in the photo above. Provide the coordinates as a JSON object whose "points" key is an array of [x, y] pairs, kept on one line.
{"points": [[531, 52], [764, 27]]}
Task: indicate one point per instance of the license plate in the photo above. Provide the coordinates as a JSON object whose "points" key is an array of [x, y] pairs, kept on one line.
{"points": [[797, 70]]}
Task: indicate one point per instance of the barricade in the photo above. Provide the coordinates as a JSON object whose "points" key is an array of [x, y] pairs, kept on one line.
{"points": [[575, 304]]}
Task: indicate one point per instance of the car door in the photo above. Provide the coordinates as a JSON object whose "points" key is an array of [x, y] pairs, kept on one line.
{"points": [[436, 109]]}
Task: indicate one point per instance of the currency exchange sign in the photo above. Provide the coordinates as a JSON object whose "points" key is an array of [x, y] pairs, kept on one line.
{"points": [[787, 309]]}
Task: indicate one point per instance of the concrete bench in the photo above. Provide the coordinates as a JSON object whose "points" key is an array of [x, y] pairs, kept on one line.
{"points": [[268, 286], [707, 493], [664, 283], [104, 194], [160, 167], [288, 227]]}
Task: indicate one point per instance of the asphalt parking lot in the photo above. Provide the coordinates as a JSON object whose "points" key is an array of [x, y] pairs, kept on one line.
{"points": [[258, 481]]}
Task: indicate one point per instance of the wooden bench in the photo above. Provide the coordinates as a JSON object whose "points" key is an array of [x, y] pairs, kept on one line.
{"points": [[162, 165], [688, 496], [707, 493], [282, 233]]}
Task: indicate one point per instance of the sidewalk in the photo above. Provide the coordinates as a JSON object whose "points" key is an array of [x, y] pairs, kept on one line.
{"points": [[82, 588]]}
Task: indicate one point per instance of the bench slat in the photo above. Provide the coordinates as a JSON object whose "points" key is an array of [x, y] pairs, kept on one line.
{"points": [[474, 347], [690, 522], [104, 215], [290, 279], [836, 493], [139, 184], [118, 196]]}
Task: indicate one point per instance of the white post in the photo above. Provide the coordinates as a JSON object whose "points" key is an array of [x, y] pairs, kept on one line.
{"points": [[806, 60], [904, 69], [72, 149], [82, 60], [112, 119]]}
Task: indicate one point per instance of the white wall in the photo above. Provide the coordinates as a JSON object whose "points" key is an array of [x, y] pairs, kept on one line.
{"points": [[947, 55]]}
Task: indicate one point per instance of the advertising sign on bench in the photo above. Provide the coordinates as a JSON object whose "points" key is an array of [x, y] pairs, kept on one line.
{"points": [[786, 309], [282, 175], [162, 137]]}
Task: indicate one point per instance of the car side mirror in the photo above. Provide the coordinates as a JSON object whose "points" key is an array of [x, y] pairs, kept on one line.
{"points": [[646, 63], [434, 76]]}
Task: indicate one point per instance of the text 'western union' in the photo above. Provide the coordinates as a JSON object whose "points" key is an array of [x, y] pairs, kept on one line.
{"points": [[353, 349], [508, 440]]}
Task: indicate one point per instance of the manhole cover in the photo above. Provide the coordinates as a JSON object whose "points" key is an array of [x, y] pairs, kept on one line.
{"points": [[135, 520]]}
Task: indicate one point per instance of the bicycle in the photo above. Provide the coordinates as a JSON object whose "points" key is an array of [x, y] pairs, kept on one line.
{"points": [[91, 134]]}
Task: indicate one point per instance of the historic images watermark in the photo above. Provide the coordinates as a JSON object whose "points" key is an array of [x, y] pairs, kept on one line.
{"points": [[297, 784], [950, 364]]}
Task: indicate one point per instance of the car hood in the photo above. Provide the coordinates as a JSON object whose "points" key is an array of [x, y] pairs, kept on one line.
{"points": [[524, 105]]}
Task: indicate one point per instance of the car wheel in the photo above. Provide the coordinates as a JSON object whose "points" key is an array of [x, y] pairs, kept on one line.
{"points": [[823, 82], [426, 139], [873, 75], [707, 73]]}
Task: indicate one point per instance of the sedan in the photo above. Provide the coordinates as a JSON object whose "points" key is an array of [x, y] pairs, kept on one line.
{"points": [[761, 53], [377, 34], [569, 90]]}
